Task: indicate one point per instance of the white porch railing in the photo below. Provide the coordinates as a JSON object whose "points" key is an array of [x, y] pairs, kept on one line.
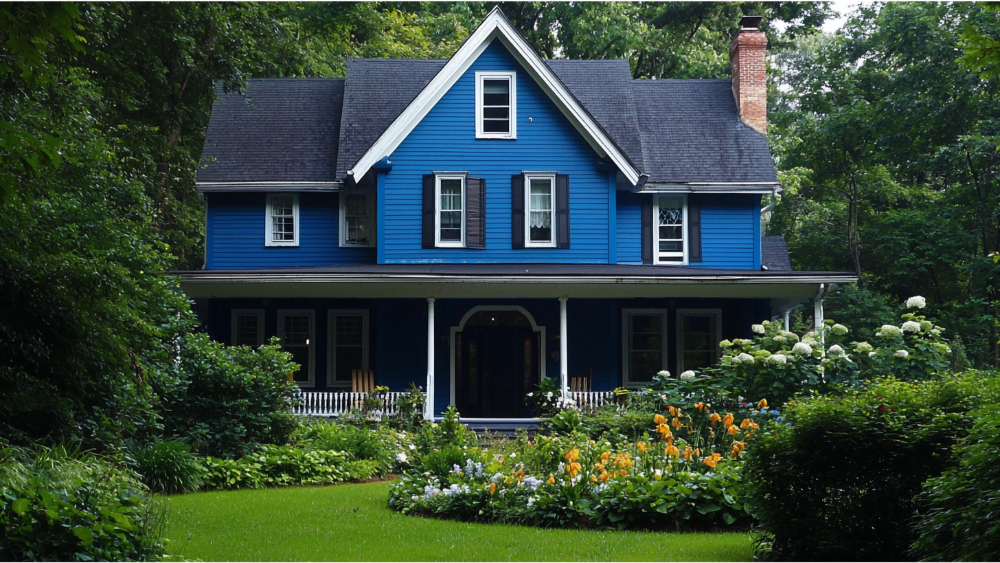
{"points": [[337, 403]]}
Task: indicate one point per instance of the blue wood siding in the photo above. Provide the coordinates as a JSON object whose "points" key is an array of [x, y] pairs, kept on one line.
{"points": [[445, 140], [235, 234], [730, 231], [629, 213]]}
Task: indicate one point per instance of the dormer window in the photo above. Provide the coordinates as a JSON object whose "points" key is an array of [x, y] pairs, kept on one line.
{"points": [[282, 227], [496, 105]]}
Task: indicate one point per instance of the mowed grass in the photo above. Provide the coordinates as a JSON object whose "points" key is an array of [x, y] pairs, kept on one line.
{"points": [[353, 523]]}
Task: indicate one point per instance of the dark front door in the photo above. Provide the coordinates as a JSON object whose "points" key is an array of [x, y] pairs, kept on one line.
{"points": [[496, 365]]}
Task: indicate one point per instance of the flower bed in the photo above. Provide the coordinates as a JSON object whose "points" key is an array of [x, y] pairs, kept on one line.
{"points": [[684, 473]]}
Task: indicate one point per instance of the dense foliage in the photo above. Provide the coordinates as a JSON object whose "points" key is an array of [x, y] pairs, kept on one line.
{"points": [[225, 400], [62, 505], [838, 482], [959, 522], [168, 468]]}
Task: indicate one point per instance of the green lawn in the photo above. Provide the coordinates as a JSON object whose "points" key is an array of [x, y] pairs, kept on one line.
{"points": [[352, 523]]}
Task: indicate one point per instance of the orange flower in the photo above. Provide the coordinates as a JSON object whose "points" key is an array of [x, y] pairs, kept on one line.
{"points": [[672, 450], [762, 404], [697, 451], [746, 422], [697, 406], [737, 450], [572, 455], [599, 466], [709, 461], [728, 421], [573, 468], [605, 456], [641, 446], [672, 410], [623, 472], [658, 419], [677, 423], [622, 460], [733, 430], [715, 418], [670, 440], [664, 431], [687, 454], [593, 478], [605, 476], [493, 489], [552, 479]]}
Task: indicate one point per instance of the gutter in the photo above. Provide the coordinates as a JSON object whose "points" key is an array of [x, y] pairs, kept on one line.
{"points": [[708, 187], [208, 187]]}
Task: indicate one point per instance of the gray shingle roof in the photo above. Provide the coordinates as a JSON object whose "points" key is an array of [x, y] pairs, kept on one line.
{"points": [[774, 254], [377, 91], [604, 89], [691, 132], [297, 129], [283, 130]]}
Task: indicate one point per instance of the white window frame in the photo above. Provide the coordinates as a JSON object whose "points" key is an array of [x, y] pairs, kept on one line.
{"points": [[627, 347], [269, 223], [311, 313], [370, 205], [234, 324], [511, 77], [679, 329], [437, 211], [331, 352], [528, 177], [656, 230]]}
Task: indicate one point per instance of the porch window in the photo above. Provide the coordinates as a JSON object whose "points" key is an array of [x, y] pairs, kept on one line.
{"points": [[541, 220], [282, 227], [297, 331], [247, 327], [357, 214], [698, 336], [644, 339], [450, 211], [670, 221], [496, 109], [348, 345]]}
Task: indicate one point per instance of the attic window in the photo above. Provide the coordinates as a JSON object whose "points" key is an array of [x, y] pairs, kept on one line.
{"points": [[670, 221], [496, 105]]}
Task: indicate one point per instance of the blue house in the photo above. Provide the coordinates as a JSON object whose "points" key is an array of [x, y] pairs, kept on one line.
{"points": [[475, 224]]}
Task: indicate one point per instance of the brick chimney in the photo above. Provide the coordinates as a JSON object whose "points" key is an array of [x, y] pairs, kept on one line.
{"points": [[746, 56]]}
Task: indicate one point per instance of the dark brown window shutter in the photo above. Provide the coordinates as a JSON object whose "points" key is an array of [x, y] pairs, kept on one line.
{"points": [[429, 209], [562, 211], [694, 231], [647, 232], [517, 211], [475, 213]]}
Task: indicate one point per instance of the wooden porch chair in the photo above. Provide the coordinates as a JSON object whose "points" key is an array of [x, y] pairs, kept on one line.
{"points": [[581, 382], [362, 380]]}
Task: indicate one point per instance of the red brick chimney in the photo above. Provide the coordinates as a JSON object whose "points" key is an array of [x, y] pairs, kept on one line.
{"points": [[746, 56]]}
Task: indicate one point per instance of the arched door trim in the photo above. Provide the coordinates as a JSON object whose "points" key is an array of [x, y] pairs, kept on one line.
{"points": [[480, 308]]}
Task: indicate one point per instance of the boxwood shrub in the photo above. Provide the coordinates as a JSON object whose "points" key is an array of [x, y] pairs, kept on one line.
{"points": [[838, 481]]}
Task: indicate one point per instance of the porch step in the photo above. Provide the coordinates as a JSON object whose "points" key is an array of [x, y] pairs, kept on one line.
{"points": [[505, 426]]}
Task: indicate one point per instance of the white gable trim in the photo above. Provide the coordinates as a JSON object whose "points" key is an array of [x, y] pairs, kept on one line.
{"points": [[494, 26]]}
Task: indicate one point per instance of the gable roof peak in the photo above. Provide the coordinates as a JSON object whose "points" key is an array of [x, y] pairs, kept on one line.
{"points": [[495, 26]]}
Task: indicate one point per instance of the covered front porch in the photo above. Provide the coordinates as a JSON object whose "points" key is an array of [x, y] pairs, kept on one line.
{"points": [[482, 342]]}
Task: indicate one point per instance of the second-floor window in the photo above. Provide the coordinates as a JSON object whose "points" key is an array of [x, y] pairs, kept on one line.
{"points": [[450, 211], [357, 220], [541, 221], [282, 228], [496, 105], [669, 224]]}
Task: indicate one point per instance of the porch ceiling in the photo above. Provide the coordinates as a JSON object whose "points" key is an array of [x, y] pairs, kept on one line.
{"points": [[506, 281]]}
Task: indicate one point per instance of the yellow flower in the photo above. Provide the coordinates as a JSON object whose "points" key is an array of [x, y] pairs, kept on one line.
{"points": [[605, 456], [622, 460], [623, 472], [605, 476], [687, 454], [593, 478], [715, 418], [697, 406], [641, 446], [672, 450], [573, 468], [728, 421], [493, 489], [733, 430], [677, 423], [658, 419], [599, 466], [746, 422], [664, 431], [672, 410], [737, 450], [762, 404], [572, 455], [709, 461], [552, 479]]}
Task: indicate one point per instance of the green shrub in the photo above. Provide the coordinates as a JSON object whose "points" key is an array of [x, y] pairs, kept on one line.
{"points": [[838, 482], [226, 400], [231, 474], [360, 442], [59, 505], [169, 468], [608, 423], [440, 462], [960, 522], [280, 466]]}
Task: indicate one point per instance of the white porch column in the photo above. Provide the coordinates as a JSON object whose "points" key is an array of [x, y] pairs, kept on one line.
{"points": [[818, 312], [429, 404], [563, 355]]}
